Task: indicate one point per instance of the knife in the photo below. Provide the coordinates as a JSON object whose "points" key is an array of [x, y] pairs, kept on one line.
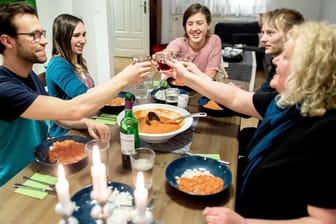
{"points": [[17, 185], [52, 186]]}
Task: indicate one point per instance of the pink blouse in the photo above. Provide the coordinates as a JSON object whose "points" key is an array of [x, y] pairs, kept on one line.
{"points": [[208, 58]]}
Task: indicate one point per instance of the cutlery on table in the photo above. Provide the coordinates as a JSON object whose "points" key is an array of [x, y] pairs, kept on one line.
{"points": [[17, 185], [194, 154], [149, 206], [52, 186], [109, 118], [152, 116]]}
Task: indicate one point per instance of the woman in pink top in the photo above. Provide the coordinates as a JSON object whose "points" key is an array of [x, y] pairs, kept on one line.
{"points": [[205, 49]]}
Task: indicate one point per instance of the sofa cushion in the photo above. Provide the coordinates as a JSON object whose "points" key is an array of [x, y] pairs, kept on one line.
{"points": [[225, 29], [251, 39]]}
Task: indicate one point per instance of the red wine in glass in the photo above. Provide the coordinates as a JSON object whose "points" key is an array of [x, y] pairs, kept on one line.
{"points": [[163, 66]]}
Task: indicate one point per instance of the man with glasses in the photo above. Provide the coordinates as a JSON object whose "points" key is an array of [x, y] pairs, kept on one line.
{"points": [[37, 34], [24, 104]]}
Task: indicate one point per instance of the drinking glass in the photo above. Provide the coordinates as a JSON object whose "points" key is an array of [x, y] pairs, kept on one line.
{"points": [[104, 150], [142, 159], [161, 58], [141, 91], [172, 95]]}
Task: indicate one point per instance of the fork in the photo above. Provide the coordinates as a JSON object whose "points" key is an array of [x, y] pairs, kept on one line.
{"points": [[149, 206], [52, 186]]}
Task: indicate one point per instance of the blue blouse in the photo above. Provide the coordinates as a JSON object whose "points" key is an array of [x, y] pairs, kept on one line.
{"points": [[63, 82]]}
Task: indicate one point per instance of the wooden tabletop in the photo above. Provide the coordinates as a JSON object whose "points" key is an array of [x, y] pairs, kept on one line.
{"points": [[213, 135]]}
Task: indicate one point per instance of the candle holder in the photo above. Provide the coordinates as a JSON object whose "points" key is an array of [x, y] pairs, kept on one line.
{"points": [[102, 210], [66, 213], [147, 218]]}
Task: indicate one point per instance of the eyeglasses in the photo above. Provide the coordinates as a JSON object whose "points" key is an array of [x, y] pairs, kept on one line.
{"points": [[35, 34]]}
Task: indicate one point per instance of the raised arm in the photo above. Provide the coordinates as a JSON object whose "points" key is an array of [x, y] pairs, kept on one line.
{"points": [[229, 95]]}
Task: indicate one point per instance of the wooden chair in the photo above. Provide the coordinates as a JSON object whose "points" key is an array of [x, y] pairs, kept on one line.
{"points": [[42, 78]]}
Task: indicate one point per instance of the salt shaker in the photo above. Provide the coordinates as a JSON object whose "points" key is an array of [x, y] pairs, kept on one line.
{"points": [[183, 100]]}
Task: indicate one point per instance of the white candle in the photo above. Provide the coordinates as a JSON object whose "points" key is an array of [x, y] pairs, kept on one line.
{"points": [[98, 173], [140, 196], [62, 188]]}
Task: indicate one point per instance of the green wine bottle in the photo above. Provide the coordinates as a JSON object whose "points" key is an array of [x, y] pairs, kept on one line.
{"points": [[129, 133]]}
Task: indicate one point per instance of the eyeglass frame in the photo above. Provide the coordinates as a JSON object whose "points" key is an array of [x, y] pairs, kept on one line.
{"points": [[37, 34]]}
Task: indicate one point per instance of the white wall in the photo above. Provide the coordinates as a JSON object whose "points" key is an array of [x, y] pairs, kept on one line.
{"points": [[47, 11], [310, 9], [97, 52], [327, 12]]}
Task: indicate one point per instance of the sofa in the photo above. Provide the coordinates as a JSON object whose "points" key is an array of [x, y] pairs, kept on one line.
{"points": [[241, 33]]}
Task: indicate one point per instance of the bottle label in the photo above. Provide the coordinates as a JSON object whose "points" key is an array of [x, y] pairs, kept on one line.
{"points": [[127, 142]]}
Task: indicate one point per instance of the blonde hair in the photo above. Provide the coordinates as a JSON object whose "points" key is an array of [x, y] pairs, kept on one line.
{"points": [[283, 19], [311, 82]]}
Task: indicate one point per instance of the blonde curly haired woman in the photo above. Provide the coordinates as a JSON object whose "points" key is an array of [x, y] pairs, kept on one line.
{"points": [[290, 165]]}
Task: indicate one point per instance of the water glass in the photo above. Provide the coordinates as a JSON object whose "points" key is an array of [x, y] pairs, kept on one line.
{"points": [[172, 96], [148, 82], [141, 91], [142, 159], [104, 149]]}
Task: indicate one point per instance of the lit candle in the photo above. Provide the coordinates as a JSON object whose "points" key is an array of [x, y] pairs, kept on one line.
{"points": [[62, 188], [98, 172], [140, 196]]}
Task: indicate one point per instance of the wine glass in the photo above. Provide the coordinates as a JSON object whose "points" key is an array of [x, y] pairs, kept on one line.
{"points": [[161, 58]]}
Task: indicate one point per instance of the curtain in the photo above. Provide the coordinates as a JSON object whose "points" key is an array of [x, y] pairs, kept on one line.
{"points": [[223, 7]]}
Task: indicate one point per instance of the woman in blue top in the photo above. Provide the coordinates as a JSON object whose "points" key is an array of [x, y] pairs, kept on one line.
{"points": [[67, 74]]}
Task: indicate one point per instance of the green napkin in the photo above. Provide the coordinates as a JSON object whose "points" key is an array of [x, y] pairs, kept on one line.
{"points": [[110, 119], [212, 156], [37, 194]]}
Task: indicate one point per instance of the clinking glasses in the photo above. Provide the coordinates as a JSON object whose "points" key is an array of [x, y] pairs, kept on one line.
{"points": [[37, 34]]}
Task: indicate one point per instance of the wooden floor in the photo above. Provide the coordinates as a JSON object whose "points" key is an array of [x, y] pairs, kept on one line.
{"points": [[121, 62]]}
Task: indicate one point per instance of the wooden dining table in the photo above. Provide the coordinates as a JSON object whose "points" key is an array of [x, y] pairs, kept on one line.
{"points": [[212, 135]]}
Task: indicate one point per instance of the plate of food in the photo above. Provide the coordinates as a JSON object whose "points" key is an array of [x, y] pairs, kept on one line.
{"points": [[121, 198], [178, 84], [198, 176], [67, 150], [117, 104], [215, 109], [157, 132]]}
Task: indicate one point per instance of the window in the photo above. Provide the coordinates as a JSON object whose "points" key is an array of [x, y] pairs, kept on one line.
{"points": [[223, 7]]}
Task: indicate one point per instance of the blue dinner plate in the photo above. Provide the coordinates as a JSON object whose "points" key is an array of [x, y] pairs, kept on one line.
{"points": [[109, 109], [177, 167], [162, 100], [225, 112], [41, 152], [84, 203]]}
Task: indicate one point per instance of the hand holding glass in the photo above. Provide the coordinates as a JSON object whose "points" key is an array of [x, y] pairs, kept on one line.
{"points": [[161, 58]]}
